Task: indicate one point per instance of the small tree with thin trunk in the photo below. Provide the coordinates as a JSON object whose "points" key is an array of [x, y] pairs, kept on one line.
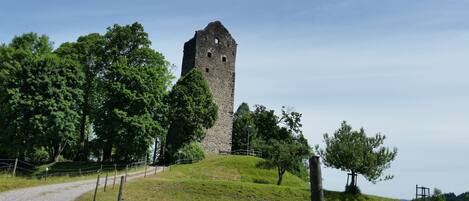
{"points": [[354, 152], [287, 155]]}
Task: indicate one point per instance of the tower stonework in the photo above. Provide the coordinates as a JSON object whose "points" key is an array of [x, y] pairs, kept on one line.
{"points": [[213, 51]]}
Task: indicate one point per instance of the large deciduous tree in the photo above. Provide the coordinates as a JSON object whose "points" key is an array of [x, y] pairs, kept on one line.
{"points": [[40, 95], [192, 110], [88, 52], [135, 81], [354, 152]]}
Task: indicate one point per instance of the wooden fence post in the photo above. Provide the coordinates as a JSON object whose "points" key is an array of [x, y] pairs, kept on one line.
{"points": [[126, 169], [105, 182], [315, 179], [145, 164], [96, 189], [14, 168], [47, 171], [115, 174], [121, 186]]}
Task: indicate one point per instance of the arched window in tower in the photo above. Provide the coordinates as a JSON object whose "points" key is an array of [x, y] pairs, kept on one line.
{"points": [[209, 54], [223, 58], [217, 40]]}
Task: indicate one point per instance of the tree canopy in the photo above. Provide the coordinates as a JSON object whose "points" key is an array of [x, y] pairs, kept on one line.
{"points": [[244, 128], [39, 97], [278, 138], [354, 152], [135, 82], [103, 94], [191, 111]]}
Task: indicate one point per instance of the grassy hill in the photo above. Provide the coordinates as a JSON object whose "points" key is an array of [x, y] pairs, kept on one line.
{"points": [[219, 178]]}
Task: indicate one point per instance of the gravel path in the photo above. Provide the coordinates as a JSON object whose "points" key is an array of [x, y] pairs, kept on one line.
{"points": [[64, 191]]}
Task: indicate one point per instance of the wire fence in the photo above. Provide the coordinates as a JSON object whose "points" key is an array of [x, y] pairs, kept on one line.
{"points": [[15, 166], [250, 152]]}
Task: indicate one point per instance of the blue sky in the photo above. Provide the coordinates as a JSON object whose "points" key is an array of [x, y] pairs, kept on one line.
{"points": [[398, 67]]}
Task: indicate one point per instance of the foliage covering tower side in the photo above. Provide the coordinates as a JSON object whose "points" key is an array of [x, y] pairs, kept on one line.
{"points": [[192, 111]]}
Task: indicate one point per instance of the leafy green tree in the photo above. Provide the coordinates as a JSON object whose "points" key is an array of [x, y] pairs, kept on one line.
{"points": [[135, 81], [287, 155], [40, 95], [354, 152], [437, 195], [192, 110], [88, 52], [281, 141], [266, 123], [244, 129]]}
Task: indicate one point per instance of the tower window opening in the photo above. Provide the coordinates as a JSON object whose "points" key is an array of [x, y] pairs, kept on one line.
{"points": [[206, 70], [209, 54], [217, 40], [223, 59]]}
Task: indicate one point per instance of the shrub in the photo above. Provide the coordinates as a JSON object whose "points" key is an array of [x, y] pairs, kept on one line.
{"points": [[39, 155], [352, 190], [190, 152], [261, 181]]}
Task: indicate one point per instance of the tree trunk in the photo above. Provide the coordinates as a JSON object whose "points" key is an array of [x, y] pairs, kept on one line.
{"points": [[280, 176], [59, 150], [82, 152], [353, 182], [107, 152], [154, 152]]}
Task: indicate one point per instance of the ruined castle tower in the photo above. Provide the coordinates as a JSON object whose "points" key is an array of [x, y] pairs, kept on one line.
{"points": [[213, 51]]}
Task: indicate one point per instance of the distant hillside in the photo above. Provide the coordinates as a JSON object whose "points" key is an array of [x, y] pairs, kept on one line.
{"points": [[221, 178]]}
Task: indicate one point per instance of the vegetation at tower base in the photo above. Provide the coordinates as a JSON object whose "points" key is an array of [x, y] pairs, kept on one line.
{"points": [[192, 110], [354, 152], [280, 139], [221, 178], [244, 129], [190, 152], [103, 94], [39, 97]]}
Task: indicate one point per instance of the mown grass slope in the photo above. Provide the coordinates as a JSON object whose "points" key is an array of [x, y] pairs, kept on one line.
{"points": [[219, 178]]}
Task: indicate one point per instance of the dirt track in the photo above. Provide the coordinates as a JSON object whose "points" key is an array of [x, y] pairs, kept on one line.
{"points": [[64, 191]]}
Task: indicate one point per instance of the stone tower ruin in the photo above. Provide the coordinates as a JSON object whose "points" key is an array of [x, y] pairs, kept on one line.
{"points": [[213, 51]]}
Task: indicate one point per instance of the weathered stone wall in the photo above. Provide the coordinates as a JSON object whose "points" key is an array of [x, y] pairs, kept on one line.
{"points": [[213, 52]]}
